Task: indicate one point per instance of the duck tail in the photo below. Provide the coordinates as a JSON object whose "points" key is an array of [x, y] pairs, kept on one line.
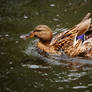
{"points": [[86, 17]]}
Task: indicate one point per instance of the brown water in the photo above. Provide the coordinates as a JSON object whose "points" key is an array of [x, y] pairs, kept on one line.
{"points": [[22, 68]]}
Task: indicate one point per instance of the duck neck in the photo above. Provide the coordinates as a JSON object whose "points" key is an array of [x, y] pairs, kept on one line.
{"points": [[45, 42], [43, 45]]}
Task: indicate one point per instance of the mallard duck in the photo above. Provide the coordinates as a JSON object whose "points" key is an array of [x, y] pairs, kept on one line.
{"points": [[74, 42]]}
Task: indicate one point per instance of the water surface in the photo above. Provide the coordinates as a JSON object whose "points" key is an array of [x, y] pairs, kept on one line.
{"points": [[22, 68]]}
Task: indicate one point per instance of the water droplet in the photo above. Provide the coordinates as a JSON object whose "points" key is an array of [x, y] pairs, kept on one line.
{"points": [[25, 17], [55, 19], [11, 67], [65, 10], [17, 41], [10, 62], [52, 5], [6, 35], [37, 13], [70, 4], [2, 53], [57, 15]]}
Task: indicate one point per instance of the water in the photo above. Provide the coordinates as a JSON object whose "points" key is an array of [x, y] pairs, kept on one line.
{"points": [[22, 68]]}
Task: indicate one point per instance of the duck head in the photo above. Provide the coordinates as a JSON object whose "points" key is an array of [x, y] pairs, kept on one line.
{"points": [[43, 32]]}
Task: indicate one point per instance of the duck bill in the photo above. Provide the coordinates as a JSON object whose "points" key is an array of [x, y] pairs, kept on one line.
{"points": [[27, 36]]}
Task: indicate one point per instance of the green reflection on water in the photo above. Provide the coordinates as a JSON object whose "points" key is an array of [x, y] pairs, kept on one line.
{"points": [[23, 72]]}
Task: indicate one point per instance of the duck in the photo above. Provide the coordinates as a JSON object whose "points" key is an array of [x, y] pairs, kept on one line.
{"points": [[76, 41]]}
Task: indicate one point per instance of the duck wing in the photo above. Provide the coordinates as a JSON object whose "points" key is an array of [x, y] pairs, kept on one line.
{"points": [[65, 40], [62, 35]]}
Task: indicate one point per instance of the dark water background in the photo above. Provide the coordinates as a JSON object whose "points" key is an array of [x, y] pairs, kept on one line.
{"points": [[22, 68]]}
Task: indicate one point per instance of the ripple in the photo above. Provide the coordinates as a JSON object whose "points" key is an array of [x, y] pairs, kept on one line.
{"points": [[60, 88], [77, 74], [34, 66], [55, 19], [31, 66], [79, 87], [6, 35], [89, 85]]}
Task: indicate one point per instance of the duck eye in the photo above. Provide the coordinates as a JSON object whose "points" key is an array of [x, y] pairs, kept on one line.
{"points": [[37, 30]]}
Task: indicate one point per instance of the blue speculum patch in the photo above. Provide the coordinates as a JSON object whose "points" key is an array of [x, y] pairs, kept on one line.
{"points": [[81, 37]]}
